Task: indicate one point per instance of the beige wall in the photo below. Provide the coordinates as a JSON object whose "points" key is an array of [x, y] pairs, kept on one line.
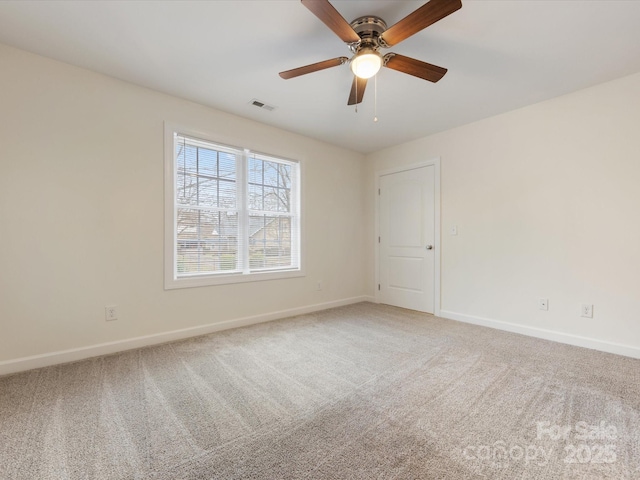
{"points": [[546, 200], [81, 212]]}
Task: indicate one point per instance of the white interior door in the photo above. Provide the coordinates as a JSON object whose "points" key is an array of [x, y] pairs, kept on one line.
{"points": [[407, 239]]}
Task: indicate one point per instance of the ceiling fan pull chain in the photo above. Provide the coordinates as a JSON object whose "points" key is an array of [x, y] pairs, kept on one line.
{"points": [[356, 95], [375, 98]]}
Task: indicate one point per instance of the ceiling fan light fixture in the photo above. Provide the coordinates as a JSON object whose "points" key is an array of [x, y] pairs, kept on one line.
{"points": [[366, 63]]}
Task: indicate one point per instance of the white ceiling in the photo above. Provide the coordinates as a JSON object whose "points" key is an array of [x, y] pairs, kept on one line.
{"points": [[501, 55]]}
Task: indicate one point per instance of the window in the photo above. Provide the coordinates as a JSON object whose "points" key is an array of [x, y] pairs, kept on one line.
{"points": [[232, 215]]}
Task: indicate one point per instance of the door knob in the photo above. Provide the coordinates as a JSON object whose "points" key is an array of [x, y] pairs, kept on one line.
{"points": [[429, 247]]}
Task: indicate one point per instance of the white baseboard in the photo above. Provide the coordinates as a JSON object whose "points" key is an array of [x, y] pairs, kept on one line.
{"points": [[579, 341], [65, 356]]}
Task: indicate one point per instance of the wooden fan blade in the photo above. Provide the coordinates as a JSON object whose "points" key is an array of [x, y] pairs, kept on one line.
{"points": [[314, 67], [357, 90], [414, 67], [332, 19], [421, 18]]}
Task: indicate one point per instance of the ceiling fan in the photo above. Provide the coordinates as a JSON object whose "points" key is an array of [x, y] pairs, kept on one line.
{"points": [[366, 35]]}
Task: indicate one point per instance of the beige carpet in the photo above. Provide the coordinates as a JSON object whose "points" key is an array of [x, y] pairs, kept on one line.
{"points": [[359, 392]]}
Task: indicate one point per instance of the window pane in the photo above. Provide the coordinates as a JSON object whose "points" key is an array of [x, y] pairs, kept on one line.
{"points": [[226, 194], [188, 159], [255, 197], [207, 162], [206, 241], [269, 242], [186, 189], [271, 199], [179, 155], [284, 200], [271, 173], [227, 166], [284, 180], [207, 192], [255, 171]]}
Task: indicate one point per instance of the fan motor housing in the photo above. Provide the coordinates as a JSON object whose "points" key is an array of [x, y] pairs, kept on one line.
{"points": [[368, 28]]}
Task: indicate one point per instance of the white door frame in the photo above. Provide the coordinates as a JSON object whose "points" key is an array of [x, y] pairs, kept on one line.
{"points": [[436, 280]]}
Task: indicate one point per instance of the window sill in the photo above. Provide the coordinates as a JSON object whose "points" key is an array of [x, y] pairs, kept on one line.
{"points": [[221, 279]]}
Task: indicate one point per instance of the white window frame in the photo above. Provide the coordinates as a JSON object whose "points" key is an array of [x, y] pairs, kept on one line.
{"points": [[171, 279]]}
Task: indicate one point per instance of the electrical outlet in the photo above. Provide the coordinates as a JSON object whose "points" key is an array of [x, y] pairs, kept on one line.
{"points": [[586, 311], [111, 313], [543, 304], [453, 230], [319, 285]]}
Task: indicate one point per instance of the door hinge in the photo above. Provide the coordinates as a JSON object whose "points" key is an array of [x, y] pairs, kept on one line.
{"points": [[378, 286], [378, 191], [378, 239]]}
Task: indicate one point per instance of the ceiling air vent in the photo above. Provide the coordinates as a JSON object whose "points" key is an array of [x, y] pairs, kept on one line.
{"points": [[262, 105]]}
